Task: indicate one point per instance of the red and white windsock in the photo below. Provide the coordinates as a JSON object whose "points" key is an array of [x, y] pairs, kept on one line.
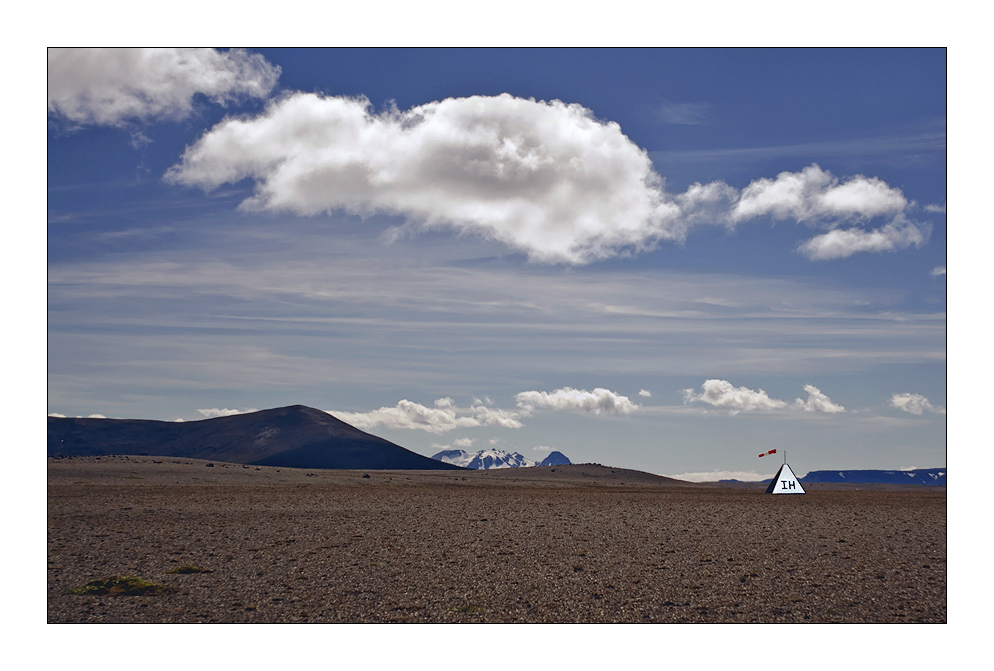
{"points": [[770, 452]]}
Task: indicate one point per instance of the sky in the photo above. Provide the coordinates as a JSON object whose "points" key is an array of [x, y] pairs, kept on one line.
{"points": [[670, 260]]}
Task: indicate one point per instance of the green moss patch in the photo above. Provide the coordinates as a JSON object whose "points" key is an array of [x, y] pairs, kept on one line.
{"points": [[190, 569], [466, 608], [121, 586]]}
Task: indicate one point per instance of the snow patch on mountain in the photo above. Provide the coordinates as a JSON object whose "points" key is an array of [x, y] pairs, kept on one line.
{"points": [[496, 458]]}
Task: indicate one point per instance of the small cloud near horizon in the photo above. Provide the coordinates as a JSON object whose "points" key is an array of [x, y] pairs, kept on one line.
{"points": [[210, 413], [916, 404]]}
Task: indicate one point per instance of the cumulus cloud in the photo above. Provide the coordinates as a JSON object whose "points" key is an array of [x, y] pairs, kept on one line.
{"points": [[56, 414], [814, 194], [444, 417], [464, 442], [817, 401], [817, 197], [916, 404], [644, 392], [721, 394], [938, 270], [578, 400], [545, 178], [899, 233], [115, 86], [208, 413], [507, 419]]}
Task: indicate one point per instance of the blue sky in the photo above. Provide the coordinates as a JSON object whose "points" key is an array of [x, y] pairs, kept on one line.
{"points": [[668, 260]]}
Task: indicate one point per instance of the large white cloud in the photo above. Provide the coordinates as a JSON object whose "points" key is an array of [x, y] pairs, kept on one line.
{"points": [[544, 178], [115, 86], [445, 416], [578, 400], [916, 404]]}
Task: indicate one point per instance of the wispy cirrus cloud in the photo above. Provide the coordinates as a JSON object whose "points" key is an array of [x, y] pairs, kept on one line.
{"points": [[916, 404], [683, 114], [544, 178], [111, 87]]}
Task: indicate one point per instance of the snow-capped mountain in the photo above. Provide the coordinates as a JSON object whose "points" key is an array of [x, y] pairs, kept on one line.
{"points": [[555, 458], [494, 458]]}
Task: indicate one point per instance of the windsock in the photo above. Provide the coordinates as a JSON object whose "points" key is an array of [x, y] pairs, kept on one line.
{"points": [[770, 452]]}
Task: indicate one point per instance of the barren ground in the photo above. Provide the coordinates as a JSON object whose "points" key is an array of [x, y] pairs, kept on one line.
{"points": [[582, 543]]}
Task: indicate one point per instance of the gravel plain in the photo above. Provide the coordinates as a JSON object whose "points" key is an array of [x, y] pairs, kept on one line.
{"points": [[577, 544]]}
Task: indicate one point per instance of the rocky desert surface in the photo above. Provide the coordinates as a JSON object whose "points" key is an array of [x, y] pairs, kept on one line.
{"points": [[227, 543]]}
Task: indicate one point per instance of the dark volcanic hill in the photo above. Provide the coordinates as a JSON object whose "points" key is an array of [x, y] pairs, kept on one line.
{"points": [[293, 437]]}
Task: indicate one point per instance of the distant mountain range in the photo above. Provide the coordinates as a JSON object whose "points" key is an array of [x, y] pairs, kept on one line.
{"points": [[918, 476], [292, 437], [494, 458]]}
